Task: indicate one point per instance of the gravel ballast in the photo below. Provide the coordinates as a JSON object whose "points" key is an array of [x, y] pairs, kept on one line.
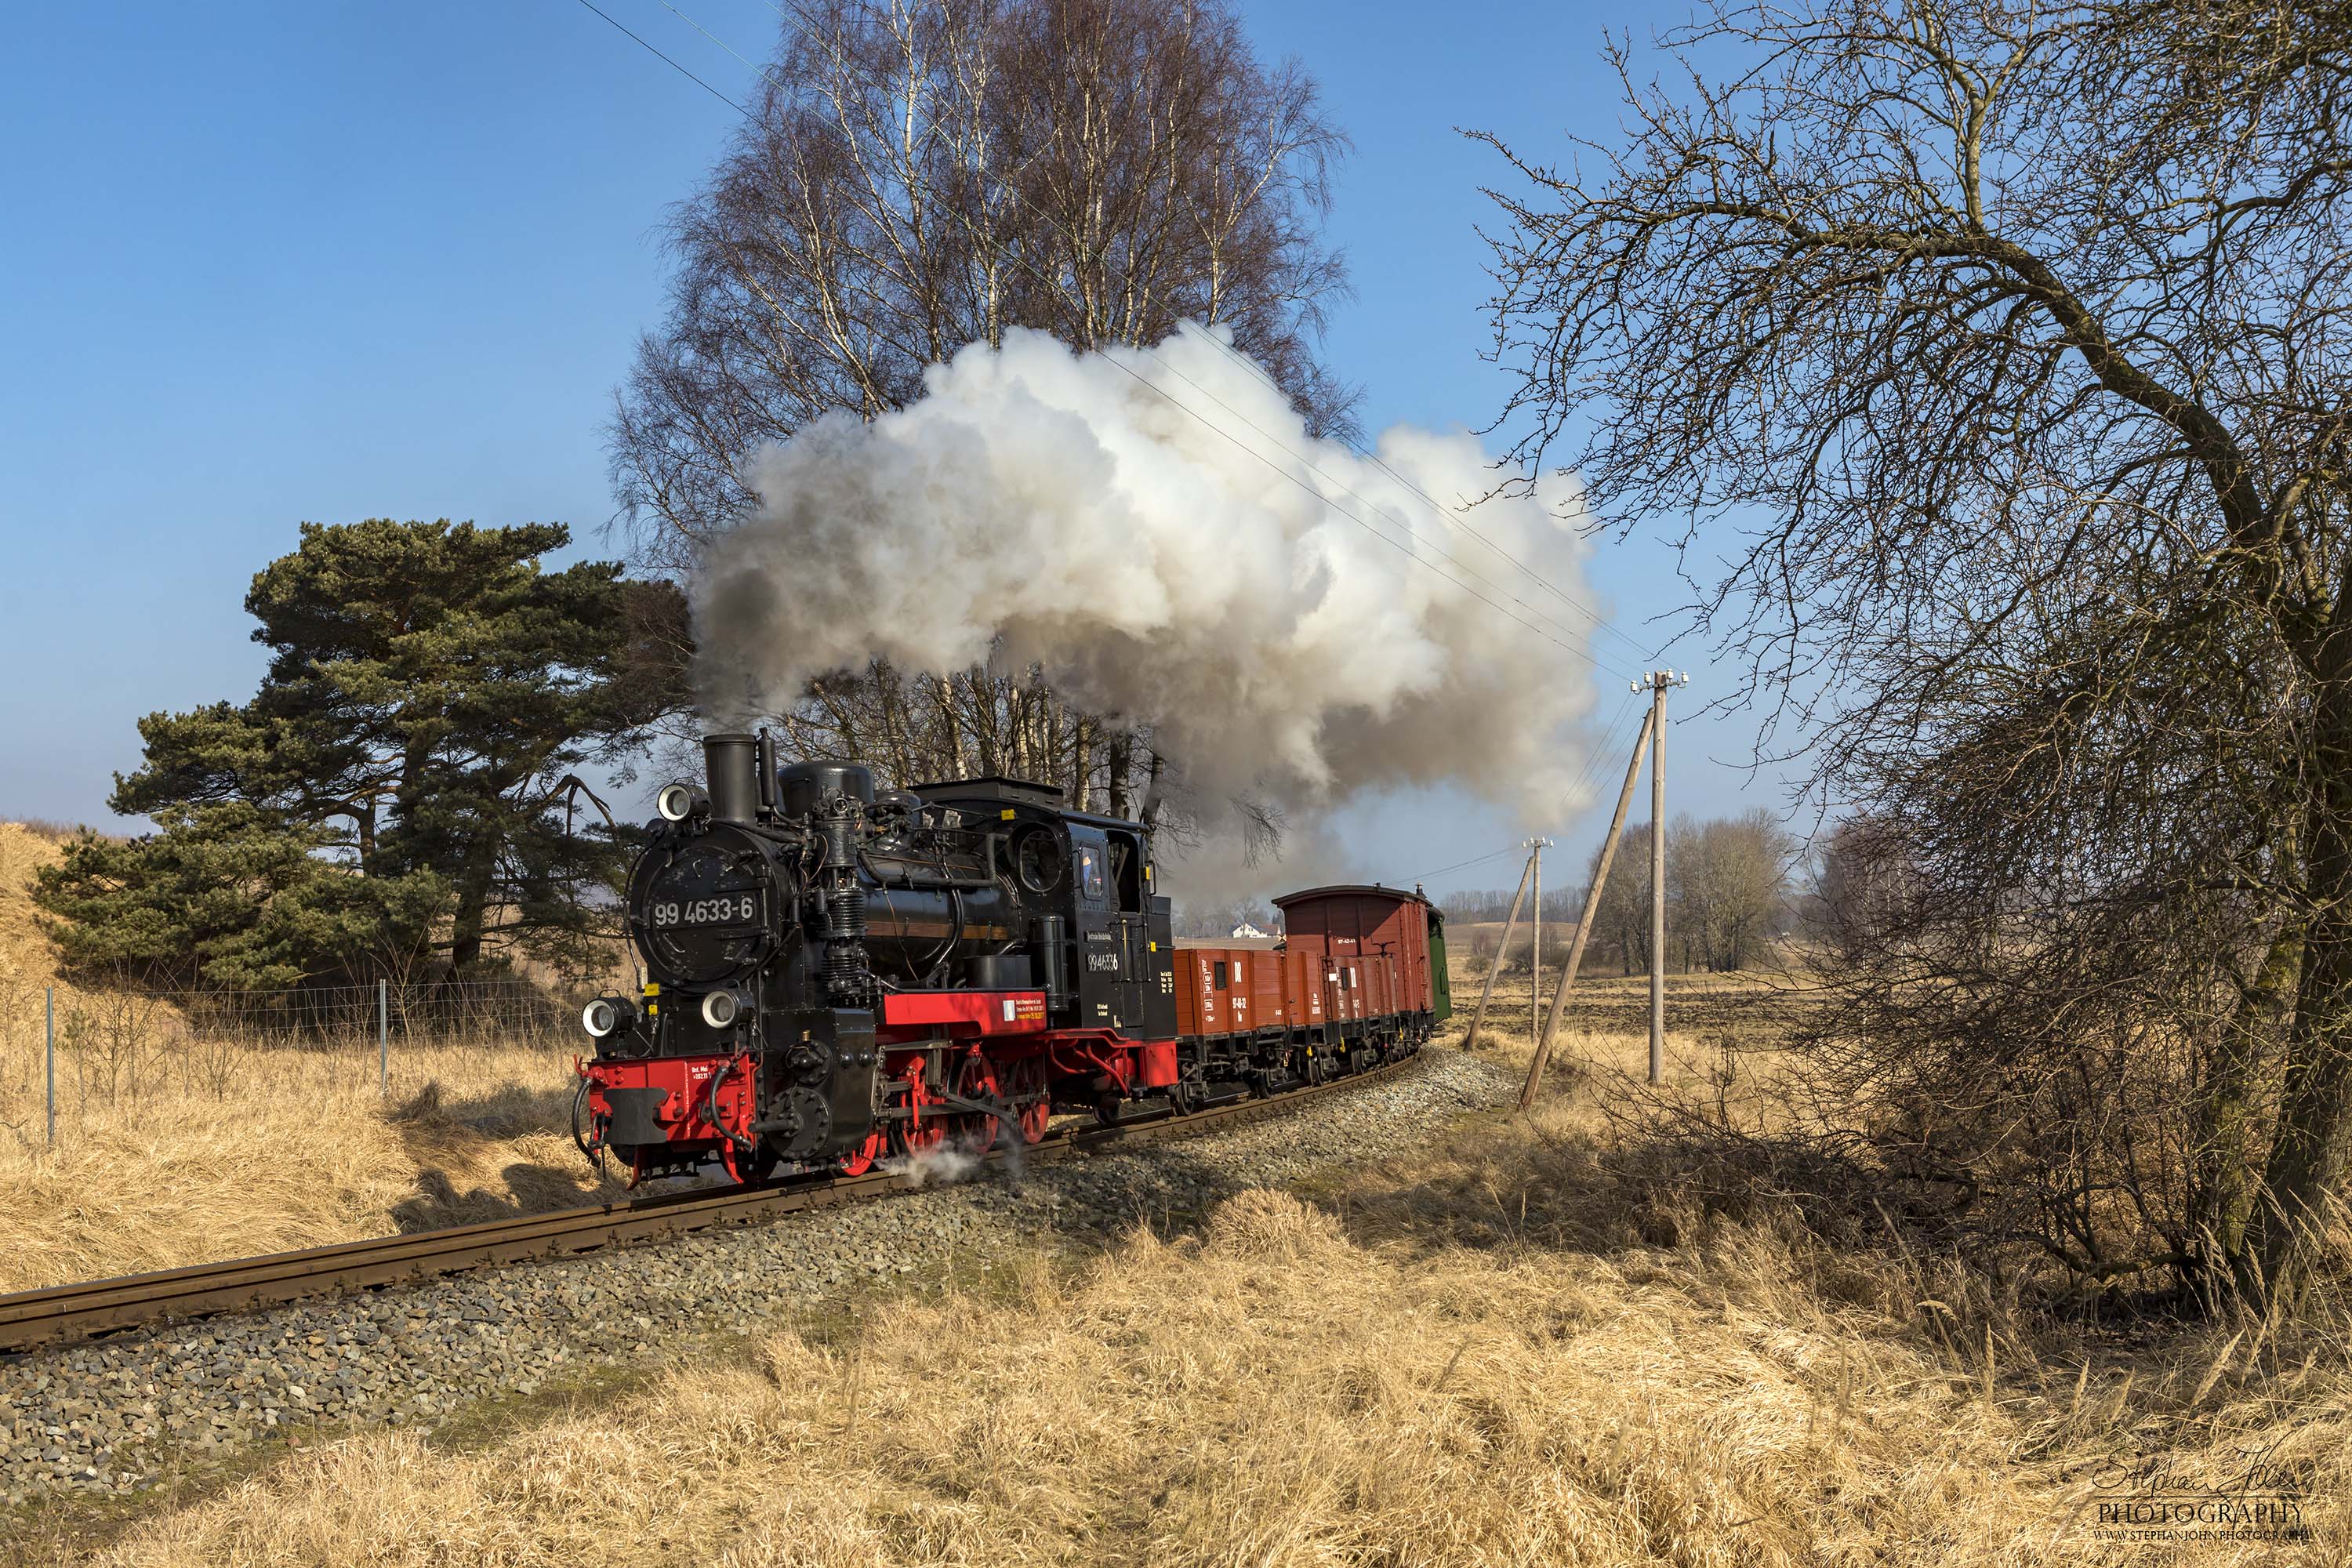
{"points": [[113, 1417]]}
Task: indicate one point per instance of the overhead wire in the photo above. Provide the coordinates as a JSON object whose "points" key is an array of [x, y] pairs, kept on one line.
{"points": [[1473, 860], [1453, 517], [1404, 548], [1317, 468], [669, 62], [1613, 735]]}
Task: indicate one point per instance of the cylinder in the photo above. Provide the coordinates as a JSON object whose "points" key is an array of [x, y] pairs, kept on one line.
{"points": [[732, 763], [803, 786]]}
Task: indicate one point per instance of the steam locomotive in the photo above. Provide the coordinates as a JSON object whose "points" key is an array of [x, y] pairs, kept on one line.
{"points": [[837, 976]]}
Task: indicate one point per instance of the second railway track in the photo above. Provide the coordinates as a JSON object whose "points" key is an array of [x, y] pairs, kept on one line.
{"points": [[64, 1314]]}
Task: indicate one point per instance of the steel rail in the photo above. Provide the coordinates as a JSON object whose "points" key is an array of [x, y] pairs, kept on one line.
{"points": [[63, 1314]]}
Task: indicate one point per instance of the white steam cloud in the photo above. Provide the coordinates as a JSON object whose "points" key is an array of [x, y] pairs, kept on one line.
{"points": [[1113, 517]]}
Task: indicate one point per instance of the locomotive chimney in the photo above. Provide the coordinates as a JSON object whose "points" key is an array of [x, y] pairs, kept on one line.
{"points": [[731, 761]]}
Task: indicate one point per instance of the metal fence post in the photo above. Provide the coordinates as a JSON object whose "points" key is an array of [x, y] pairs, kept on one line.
{"points": [[53, 1062], [383, 1038]]}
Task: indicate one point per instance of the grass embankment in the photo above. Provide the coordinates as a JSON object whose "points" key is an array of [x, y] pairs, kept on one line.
{"points": [[172, 1151], [1547, 1341]]}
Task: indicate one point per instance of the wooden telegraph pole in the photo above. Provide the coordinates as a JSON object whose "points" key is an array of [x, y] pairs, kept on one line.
{"points": [[1659, 681], [1536, 847], [1592, 907], [1510, 924]]}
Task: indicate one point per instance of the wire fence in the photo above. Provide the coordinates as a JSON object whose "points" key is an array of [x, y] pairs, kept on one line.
{"points": [[65, 1051]]}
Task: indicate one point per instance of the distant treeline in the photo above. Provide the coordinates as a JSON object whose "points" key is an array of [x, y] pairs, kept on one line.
{"points": [[1729, 892]]}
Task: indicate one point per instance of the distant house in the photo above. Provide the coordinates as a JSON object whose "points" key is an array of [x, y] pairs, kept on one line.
{"points": [[1246, 929]]}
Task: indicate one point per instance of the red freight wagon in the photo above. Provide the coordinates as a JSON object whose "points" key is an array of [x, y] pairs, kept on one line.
{"points": [[1373, 923], [1358, 978], [1304, 990], [1228, 990], [1268, 1008], [1203, 990]]}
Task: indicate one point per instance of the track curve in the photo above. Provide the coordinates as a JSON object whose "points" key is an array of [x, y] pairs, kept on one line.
{"points": [[65, 1314]]}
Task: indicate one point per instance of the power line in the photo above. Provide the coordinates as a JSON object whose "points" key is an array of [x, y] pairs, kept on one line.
{"points": [[1473, 860], [1603, 751], [1453, 517], [1614, 734], [1600, 747], [673, 64]]}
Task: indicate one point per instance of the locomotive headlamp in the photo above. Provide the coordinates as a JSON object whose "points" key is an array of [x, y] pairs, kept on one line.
{"points": [[679, 801], [607, 1016], [721, 1008]]}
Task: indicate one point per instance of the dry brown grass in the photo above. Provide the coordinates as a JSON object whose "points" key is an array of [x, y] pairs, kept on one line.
{"points": [[174, 1148], [299, 1150], [1532, 1345], [1279, 1391]]}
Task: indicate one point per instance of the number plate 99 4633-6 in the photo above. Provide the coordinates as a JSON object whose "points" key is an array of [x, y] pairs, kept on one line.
{"points": [[727, 909]]}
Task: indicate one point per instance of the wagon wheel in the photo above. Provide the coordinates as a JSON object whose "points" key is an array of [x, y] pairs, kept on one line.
{"points": [[976, 1131]]}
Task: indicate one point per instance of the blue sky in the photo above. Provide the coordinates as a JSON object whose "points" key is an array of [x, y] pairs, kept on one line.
{"points": [[265, 263]]}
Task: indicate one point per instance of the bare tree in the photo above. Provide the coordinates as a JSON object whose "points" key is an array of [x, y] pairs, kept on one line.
{"points": [[1726, 881], [921, 174], [2009, 342]]}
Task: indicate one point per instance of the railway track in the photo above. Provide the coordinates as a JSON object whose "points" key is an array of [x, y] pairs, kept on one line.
{"points": [[63, 1314]]}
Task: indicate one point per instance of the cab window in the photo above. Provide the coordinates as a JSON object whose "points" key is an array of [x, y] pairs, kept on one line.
{"points": [[1090, 872]]}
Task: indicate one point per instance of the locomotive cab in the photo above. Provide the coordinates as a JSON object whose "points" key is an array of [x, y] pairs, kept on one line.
{"points": [[1096, 939]]}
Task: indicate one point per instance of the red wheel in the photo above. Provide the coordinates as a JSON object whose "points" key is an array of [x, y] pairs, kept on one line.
{"points": [[918, 1137], [860, 1160], [928, 1128], [1034, 1117], [976, 1080]]}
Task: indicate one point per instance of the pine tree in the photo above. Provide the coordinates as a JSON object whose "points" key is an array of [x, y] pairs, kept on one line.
{"points": [[394, 791]]}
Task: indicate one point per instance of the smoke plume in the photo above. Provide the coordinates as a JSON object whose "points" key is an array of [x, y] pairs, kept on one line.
{"points": [[1115, 518]]}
